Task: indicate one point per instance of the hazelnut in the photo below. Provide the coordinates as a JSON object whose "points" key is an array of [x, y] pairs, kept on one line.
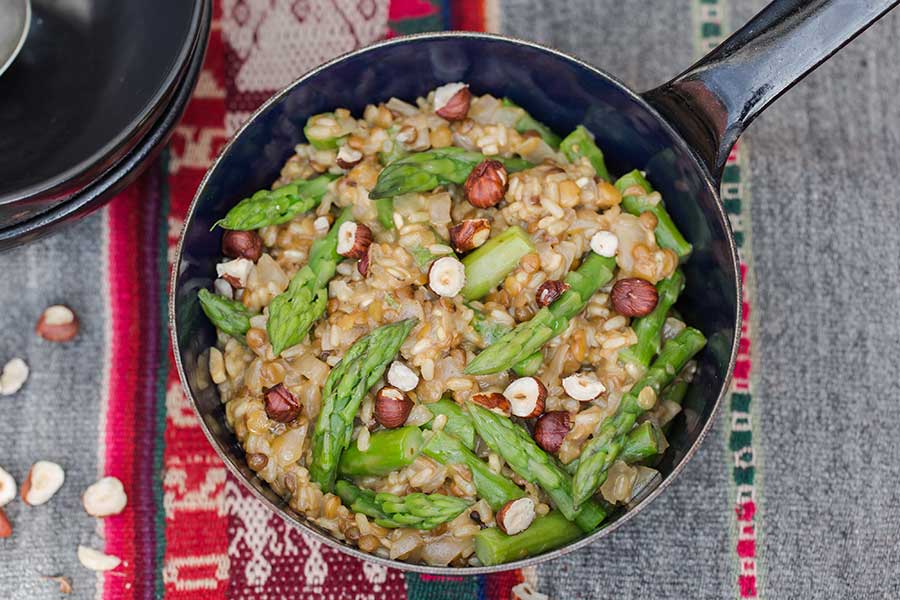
{"points": [[362, 265], [634, 297], [524, 591], [605, 243], [486, 184], [469, 234], [44, 479], [451, 101], [7, 488], [493, 401], [347, 157], [13, 376], [104, 498], [402, 377], [235, 271], [526, 397], [549, 291], [551, 429], [354, 240], [96, 560], [281, 404], [515, 516], [583, 387], [242, 244], [5, 526], [392, 407], [57, 324], [447, 276]]}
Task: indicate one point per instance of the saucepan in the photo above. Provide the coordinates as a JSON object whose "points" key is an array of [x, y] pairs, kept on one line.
{"points": [[680, 133]]}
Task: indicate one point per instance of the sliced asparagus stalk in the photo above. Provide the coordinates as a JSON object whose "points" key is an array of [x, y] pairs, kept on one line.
{"points": [[649, 329], [487, 266], [389, 450], [581, 143], [636, 199]]}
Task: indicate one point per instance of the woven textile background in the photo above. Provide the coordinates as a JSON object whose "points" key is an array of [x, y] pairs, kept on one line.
{"points": [[792, 495]]}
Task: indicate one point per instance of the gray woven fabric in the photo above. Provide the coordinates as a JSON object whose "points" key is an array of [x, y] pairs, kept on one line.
{"points": [[55, 415]]}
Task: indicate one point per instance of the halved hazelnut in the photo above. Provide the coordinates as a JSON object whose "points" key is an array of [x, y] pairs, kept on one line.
{"points": [[486, 184], [362, 265], [515, 516], [451, 101], [605, 243], [354, 239], [634, 297], [524, 591], [7, 488], [493, 401], [57, 324], [242, 244], [44, 479], [392, 407], [5, 526], [402, 377], [447, 276], [583, 387], [526, 397], [549, 291], [551, 429], [281, 404], [347, 157], [235, 272], [104, 497], [13, 377], [96, 560], [469, 234]]}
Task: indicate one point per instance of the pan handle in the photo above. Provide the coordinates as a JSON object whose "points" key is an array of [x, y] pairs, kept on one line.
{"points": [[712, 102]]}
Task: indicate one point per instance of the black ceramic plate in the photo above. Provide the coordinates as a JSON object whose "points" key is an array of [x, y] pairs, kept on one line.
{"points": [[129, 167], [91, 80]]}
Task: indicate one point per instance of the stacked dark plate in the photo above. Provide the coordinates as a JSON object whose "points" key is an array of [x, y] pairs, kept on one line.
{"points": [[89, 102]]}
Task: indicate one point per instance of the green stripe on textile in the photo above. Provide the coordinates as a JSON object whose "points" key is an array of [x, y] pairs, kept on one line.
{"points": [[433, 587], [162, 374]]}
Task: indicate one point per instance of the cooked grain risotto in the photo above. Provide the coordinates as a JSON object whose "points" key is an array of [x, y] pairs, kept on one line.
{"points": [[446, 334]]}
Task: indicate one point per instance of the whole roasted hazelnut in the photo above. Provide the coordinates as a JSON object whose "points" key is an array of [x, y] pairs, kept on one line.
{"points": [[242, 244], [634, 297], [281, 404], [549, 291], [486, 184], [392, 407], [551, 429]]}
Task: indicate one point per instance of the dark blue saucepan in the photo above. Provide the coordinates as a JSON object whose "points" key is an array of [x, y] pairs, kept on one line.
{"points": [[680, 133]]}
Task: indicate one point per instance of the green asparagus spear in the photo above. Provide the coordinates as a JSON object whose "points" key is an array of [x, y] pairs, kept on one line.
{"points": [[385, 208], [667, 234], [601, 451], [424, 171], [323, 131], [421, 511], [494, 488], [529, 337], [389, 450], [675, 392], [274, 207], [530, 365], [459, 423], [528, 123], [581, 143], [294, 311], [359, 369], [641, 443], [488, 266], [489, 330], [527, 459], [360, 500], [649, 329], [230, 316], [553, 530]]}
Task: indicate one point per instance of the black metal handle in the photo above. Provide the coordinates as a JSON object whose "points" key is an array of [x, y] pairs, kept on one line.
{"points": [[715, 99]]}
